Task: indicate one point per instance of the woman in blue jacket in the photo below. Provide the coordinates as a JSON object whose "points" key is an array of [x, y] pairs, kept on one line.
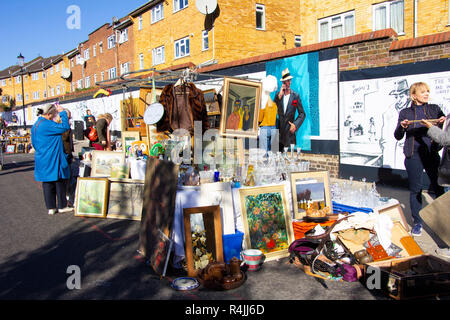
{"points": [[420, 151], [51, 167]]}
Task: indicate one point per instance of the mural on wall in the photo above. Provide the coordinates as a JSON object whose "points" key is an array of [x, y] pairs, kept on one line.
{"points": [[369, 111]]}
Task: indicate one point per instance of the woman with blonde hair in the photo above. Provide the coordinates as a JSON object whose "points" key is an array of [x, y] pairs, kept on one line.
{"points": [[421, 152], [103, 141]]}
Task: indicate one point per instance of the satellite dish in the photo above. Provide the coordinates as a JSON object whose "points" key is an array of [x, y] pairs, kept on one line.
{"points": [[65, 73], [206, 6], [154, 113]]}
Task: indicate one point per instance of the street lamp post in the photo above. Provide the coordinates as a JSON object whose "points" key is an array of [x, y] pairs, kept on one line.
{"points": [[21, 62]]}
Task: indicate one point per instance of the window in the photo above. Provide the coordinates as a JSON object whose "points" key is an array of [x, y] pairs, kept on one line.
{"points": [[158, 55], [36, 95], [51, 71], [86, 54], [112, 73], [338, 26], [78, 59], [140, 23], [111, 41], [102, 76], [182, 48], [87, 82], [260, 17], [35, 76], [71, 62], [205, 40], [95, 78], [141, 61], [52, 92], [3, 82], [94, 50], [124, 68], [389, 14], [158, 12], [123, 36], [179, 5], [100, 46], [44, 75], [298, 41], [27, 97], [58, 90], [18, 97], [80, 84], [57, 67], [44, 94], [18, 79]]}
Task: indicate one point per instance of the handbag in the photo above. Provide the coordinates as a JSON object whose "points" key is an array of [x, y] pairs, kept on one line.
{"points": [[444, 168], [92, 135]]}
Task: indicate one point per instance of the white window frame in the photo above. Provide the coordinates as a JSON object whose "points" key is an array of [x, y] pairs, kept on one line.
{"points": [[102, 76], [124, 35], [124, 68], [18, 79], [27, 97], [112, 41], [95, 78], [387, 5], [112, 73], [205, 40], [94, 50], [3, 82], [331, 24], [52, 92], [80, 84], [57, 67], [157, 13], [100, 46], [158, 55], [140, 23], [179, 45], [35, 76], [58, 90], [51, 70], [141, 61], [19, 97], [180, 5], [260, 9], [87, 82]]}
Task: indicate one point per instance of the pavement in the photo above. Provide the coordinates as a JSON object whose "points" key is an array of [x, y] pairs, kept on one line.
{"points": [[38, 254]]}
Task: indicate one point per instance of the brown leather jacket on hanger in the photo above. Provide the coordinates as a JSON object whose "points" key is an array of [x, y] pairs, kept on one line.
{"points": [[181, 112]]}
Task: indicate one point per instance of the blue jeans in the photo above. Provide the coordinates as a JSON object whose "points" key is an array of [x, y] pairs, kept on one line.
{"points": [[414, 167], [267, 138], [446, 189]]}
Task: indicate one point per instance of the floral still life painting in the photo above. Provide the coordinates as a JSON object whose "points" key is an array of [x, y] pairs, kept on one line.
{"points": [[267, 222]]}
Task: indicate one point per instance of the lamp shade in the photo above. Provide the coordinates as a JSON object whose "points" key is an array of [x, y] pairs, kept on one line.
{"points": [[20, 60]]}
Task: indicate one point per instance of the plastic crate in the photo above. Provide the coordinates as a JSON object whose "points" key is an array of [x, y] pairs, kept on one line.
{"points": [[232, 245], [338, 208]]}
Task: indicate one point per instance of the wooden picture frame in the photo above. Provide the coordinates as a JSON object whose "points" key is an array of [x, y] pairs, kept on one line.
{"points": [[126, 199], [395, 212], [102, 162], [10, 148], [267, 220], [310, 186], [212, 105], [203, 237], [128, 137], [92, 197], [241, 98]]}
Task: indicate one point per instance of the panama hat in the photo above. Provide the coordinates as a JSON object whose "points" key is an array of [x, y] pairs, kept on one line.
{"points": [[285, 75]]}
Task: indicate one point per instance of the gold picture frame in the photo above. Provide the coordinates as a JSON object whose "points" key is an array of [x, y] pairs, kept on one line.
{"points": [[102, 162], [267, 220], [92, 197], [126, 199], [310, 186], [240, 110], [128, 137], [212, 105], [208, 247]]}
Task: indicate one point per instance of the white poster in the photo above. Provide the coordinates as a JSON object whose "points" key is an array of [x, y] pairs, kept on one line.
{"points": [[369, 113]]}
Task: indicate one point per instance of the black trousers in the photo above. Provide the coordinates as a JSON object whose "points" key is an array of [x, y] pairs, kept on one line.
{"points": [[55, 191]]}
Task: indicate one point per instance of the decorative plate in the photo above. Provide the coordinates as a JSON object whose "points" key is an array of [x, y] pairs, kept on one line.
{"points": [[184, 283], [154, 113]]}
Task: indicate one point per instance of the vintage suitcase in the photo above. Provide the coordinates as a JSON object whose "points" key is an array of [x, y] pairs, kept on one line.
{"points": [[409, 278]]}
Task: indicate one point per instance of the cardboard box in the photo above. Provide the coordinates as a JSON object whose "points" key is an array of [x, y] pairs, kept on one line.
{"points": [[409, 278]]}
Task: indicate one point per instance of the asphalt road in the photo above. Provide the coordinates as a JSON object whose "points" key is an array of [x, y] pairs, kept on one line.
{"points": [[36, 251]]}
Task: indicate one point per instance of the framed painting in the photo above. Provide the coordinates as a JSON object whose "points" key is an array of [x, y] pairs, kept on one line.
{"points": [[310, 188], [120, 171], [91, 197], [126, 199], [203, 237], [10, 148], [240, 111], [212, 105], [103, 161], [267, 220], [128, 137]]}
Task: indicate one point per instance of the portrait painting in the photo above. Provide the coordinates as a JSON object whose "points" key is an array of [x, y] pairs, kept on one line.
{"points": [[240, 112]]}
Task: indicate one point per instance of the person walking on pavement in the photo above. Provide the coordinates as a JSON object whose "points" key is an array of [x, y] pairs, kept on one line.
{"points": [[288, 102], [51, 167], [421, 152]]}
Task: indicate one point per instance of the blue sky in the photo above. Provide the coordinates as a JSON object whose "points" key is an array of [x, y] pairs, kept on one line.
{"points": [[36, 28]]}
